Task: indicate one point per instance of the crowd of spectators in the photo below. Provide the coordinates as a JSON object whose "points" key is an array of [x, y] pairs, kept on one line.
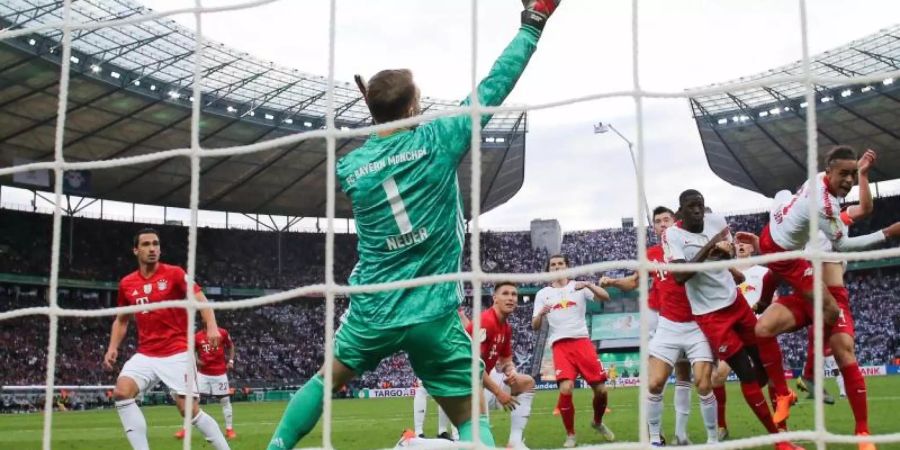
{"points": [[282, 345]]}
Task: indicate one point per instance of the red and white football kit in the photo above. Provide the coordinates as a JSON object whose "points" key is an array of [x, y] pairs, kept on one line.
{"points": [[213, 369]]}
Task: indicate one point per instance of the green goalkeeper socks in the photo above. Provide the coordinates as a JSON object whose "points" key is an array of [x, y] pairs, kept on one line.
{"points": [[301, 415], [484, 430]]}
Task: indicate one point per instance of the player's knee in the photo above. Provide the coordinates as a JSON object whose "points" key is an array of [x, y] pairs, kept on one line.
{"points": [[120, 394], [765, 329], [566, 387], [526, 382], [656, 385], [704, 385]]}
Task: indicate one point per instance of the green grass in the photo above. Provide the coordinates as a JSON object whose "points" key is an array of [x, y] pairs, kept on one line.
{"points": [[360, 424]]}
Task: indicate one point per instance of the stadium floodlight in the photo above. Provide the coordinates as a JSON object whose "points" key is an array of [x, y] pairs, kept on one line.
{"points": [[252, 113], [152, 87], [115, 75], [231, 109], [269, 117], [723, 121], [288, 121], [489, 139], [826, 99], [191, 99], [804, 105], [307, 124], [137, 82], [32, 42], [735, 119], [866, 89], [763, 113], [174, 95], [74, 59], [776, 110], [888, 81], [602, 128], [846, 93], [501, 140], [95, 68]]}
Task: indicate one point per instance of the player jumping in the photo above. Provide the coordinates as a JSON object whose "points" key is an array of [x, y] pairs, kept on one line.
{"points": [[718, 307], [663, 286], [403, 186], [213, 380], [564, 304], [162, 353]]}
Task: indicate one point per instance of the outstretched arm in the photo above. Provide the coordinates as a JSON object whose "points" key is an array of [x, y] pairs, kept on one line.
{"points": [[628, 283], [456, 131], [866, 205]]}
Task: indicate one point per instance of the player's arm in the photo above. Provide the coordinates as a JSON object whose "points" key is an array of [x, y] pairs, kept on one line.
{"points": [[456, 132], [675, 254], [540, 310], [866, 205], [628, 283], [231, 352], [737, 275], [598, 293], [116, 336], [466, 323]]}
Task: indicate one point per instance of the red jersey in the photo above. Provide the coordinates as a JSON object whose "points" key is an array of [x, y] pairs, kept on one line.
{"points": [[161, 332], [667, 296], [212, 360], [496, 339]]}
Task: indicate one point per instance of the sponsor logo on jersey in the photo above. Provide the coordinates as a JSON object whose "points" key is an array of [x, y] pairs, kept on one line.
{"points": [[148, 288], [162, 284]]}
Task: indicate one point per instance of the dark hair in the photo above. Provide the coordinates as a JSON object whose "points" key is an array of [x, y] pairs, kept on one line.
{"points": [[840, 152], [552, 257], [684, 195], [662, 210], [147, 230], [390, 94], [504, 283]]}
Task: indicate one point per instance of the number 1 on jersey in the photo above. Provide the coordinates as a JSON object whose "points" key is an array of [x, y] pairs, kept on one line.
{"points": [[397, 206]]}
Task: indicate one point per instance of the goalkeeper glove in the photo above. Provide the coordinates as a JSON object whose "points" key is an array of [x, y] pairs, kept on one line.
{"points": [[537, 12]]}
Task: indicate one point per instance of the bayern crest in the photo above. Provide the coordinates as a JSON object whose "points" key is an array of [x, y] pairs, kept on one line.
{"points": [[162, 285]]}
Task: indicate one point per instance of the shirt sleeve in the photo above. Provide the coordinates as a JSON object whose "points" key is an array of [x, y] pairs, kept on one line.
{"points": [[538, 303], [671, 248], [181, 280], [454, 134], [121, 300]]}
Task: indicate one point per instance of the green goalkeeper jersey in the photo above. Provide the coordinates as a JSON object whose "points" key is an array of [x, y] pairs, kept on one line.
{"points": [[408, 207]]}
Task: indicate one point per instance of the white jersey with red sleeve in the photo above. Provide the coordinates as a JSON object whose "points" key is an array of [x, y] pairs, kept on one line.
{"points": [[567, 309], [495, 339], [789, 220], [161, 332], [212, 359], [709, 290]]}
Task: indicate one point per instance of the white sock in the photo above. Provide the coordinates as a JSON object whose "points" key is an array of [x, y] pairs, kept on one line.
{"points": [[654, 415], [840, 382], [210, 430], [420, 406], [709, 412], [444, 424], [682, 408], [134, 424], [518, 418], [227, 411]]}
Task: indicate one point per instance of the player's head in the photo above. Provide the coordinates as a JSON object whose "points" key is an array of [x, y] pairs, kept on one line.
{"points": [[744, 250], [392, 95], [506, 297], [663, 218], [557, 262], [146, 246], [841, 169], [691, 207]]}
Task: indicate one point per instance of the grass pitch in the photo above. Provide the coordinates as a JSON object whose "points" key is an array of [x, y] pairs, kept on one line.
{"points": [[377, 423]]}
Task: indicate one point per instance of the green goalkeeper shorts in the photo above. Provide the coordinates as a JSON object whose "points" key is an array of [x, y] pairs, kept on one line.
{"points": [[440, 352]]}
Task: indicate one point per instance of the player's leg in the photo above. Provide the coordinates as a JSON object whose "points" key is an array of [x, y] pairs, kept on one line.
{"points": [[841, 341], [719, 378], [446, 430], [420, 409], [699, 353], [786, 314], [682, 400], [130, 414], [807, 378], [565, 380], [658, 374], [357, 348], [584, 357], [440, 353], [521, 386], [204, 388], [173, 372], [222, 392]]}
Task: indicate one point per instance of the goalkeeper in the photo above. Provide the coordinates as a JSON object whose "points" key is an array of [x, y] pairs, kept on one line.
{"points": [[406, 200]]}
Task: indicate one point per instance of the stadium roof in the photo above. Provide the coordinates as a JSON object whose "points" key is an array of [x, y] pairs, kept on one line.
{"points": [[130, 94], [755, 138]]}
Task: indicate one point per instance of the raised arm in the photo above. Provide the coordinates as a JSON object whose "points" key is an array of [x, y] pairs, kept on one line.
{"points": [[456, 131], [599, 294], [628, 283]]}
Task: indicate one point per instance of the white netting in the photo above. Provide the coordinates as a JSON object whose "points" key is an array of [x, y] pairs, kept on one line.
{"points": [[476, 277]]}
